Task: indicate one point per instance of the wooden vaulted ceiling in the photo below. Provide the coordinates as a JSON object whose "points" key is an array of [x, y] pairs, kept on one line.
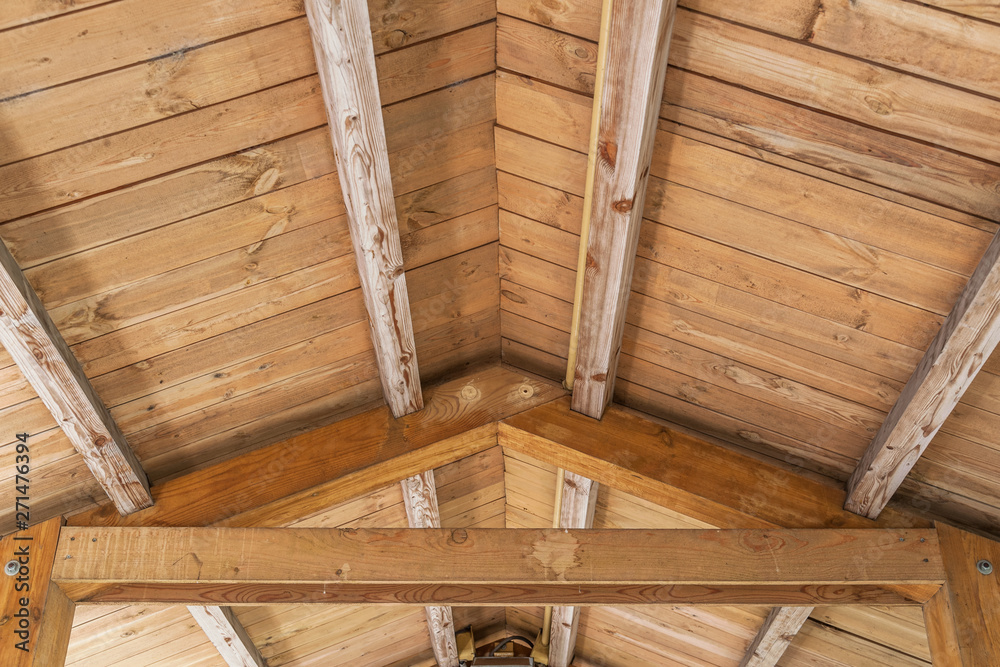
{"points": [[825, 179]]}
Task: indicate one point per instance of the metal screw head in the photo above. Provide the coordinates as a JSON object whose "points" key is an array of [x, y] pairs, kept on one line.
{"points": [[11, 568], [984, 567]]}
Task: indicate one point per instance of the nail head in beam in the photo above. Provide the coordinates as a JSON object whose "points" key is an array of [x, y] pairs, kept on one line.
{"points": [[345, 60], [41, 353], [629, 103], [955, 356]]}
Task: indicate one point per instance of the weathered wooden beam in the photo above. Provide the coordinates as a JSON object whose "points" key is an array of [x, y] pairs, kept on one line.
{"points": [[36, 617], [36, 345], [345, 59], [778, 631], [491, 567], [957, 353], [579, 500], [627, 105], [962, 626], [228, 635], [420, 500], [335, 463]]}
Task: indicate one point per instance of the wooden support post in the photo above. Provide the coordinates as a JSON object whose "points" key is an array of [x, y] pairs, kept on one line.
{"points": [[961, 347], [491, 567], [345, 59], [36, 617], [31, 338], [420, 499], [962, 619], [228, 635], [628, 102], [579, 500], [778, 631]]}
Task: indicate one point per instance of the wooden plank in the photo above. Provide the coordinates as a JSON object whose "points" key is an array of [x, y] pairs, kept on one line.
{"points": [[579, 500], [346, 62], [29, 335], [420, 499], [36, 617], [346, 451], [248, 566], [778, 631], [966, 339], [963, 615], [625, 113], [228, 635]]}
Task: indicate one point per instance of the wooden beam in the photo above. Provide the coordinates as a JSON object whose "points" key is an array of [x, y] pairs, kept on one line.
{"points": [[496, 567], [345, 59], [36, 617], [962, 619], [420, 499], [36, 345], [627, 105], [957, 353], [778, 631], [579, 500], [228, 635], [349, 458], [705, 481]]}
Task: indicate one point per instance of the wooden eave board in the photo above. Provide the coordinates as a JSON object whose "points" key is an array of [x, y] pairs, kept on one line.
{"points": [[798, 253], [193, 248]]}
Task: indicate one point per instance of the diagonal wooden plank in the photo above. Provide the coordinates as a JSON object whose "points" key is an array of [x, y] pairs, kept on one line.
{"points": [[420, 499], [778, 631], [579, 500], [345, 59], [636, 41], [228, 635], [957, 353], [46, 361]]}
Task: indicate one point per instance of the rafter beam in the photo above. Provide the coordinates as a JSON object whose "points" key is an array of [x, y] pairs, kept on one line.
{"points": [[629, 89], [579, 500], [36, 617], [496, 567], [957, 353], [778, 631], [228, 635], [46, 361], [420, 499], [345, 59]]}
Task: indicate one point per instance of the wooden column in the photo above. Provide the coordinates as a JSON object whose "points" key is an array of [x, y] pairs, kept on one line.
{"points": [[627, 107], [36, 617], [961, 347], [345, 59], [579, 500], [228, 635], [497, 567], [963, 619], [420, 499], [778, 631], [31, 338]]}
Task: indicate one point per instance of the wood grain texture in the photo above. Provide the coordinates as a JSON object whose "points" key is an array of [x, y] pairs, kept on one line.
{"points": [[634, 71], [31, 338], [778, 631], [493, 567], [345, 58], [35, 621], [364, 450], [967, 617], [421, 501], [579, 500], [961, 347], [228, 635]]}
